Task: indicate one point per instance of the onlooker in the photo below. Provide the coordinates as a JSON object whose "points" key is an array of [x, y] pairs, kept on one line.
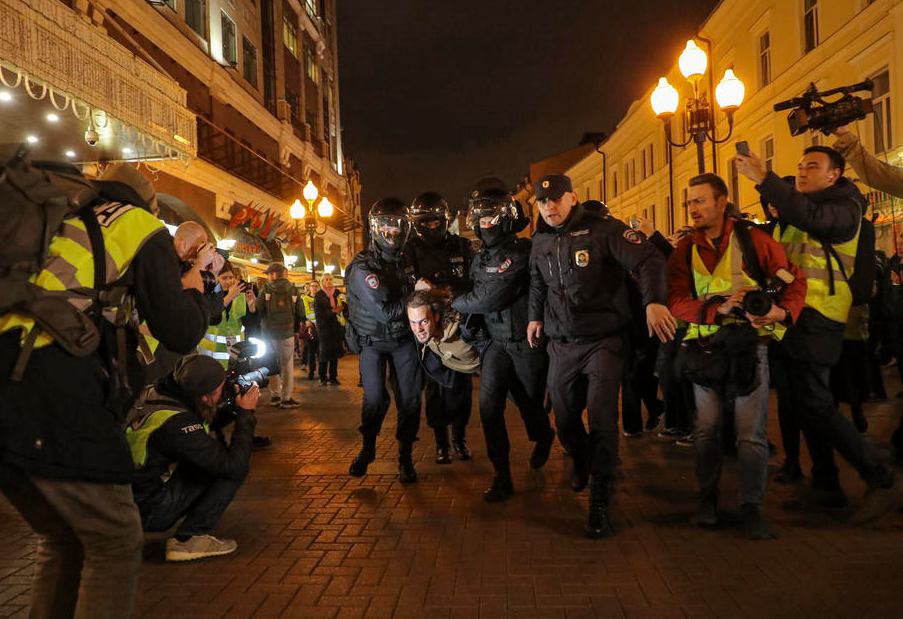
{"points": [[311, 345], [182, 471], [329, 332], [280, 315]]}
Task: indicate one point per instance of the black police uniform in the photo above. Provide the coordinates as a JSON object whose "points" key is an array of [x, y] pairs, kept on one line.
{"points": [[377, 289], [501, 285], [578, 288], [446, 264]]}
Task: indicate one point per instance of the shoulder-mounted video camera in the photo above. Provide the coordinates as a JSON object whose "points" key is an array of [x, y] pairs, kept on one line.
{"points": [[813, 113]]}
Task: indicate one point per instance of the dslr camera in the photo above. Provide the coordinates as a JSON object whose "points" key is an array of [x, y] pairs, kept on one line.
{"points": [[207, 277], [243, 371], [810, 111], [759, 302]]}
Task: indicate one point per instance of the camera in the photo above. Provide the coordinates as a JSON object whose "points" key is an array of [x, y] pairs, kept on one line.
{"points": [[243, 371], [245, 286], [759, 302], [208, 278], [635, 223], [813, 113], [91, 137]]}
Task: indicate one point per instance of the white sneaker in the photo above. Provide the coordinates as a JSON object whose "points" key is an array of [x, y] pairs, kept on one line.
{"points": [[198, 547]]}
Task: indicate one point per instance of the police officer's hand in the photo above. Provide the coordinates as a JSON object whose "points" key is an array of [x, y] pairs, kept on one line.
{"points": [[775, 314], [660, 322], [248, 400], [534, 333], [422, 284]]}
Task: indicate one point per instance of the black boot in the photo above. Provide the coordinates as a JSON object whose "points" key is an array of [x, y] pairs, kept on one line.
{"points": [[579, 473], [459, 444], [598, 523], [707, 511], [501, 488], [364, 458], [442, 455], [754, 524], [541, 450], [406, 472]]}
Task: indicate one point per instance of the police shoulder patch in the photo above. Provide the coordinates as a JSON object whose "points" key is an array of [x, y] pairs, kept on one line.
{"points": [[631, 236], [504, 266], [372, 281]]}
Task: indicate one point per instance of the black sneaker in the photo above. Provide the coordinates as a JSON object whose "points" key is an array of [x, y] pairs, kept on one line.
{"points": [[460, 447], [290, 403], [275, 400], [442, 455], [541, 450], [685, 441], [260, 442], [407, 474], [359, 465], [655, 418], [500, 490]]}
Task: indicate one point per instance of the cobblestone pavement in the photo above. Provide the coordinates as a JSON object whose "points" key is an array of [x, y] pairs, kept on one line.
{"points": [[314, 542]]}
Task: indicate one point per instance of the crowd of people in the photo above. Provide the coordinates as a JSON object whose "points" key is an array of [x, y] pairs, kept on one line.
{"points": [[130, 368]]}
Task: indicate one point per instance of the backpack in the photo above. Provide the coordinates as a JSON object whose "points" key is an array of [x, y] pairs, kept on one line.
{"points": [[281, 309], [35, 198], [862, 281]]}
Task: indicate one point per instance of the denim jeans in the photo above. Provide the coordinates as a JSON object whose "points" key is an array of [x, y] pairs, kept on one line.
{"points": [[283, 384], [750, 417], [89, 544], [199, 497]]}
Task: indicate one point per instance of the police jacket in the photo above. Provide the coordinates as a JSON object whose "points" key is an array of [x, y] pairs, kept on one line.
{"points": [[501, 288], [170, 434], [578, 273], [832, 215], [55, 422], [444, 264], [377, 291]]}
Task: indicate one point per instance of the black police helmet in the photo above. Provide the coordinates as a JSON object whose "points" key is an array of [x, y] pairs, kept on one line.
{"points": [[491, 198], [430, 216], [389, 225]]}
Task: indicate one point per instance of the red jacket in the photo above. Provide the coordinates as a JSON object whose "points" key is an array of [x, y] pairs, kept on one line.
{"points": [[771, 258]]}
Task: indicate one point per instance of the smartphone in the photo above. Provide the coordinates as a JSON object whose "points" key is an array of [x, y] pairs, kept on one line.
{"points": [[742, 148], [635, 223]]}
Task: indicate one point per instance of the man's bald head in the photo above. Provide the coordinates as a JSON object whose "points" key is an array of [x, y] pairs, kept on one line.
{"points": [[188, 239]]}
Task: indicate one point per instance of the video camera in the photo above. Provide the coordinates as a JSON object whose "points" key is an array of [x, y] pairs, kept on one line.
{"points": [[813, 113], [244, 370]]}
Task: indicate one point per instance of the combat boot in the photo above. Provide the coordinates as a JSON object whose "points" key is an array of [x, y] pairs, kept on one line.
{"points": [[364, 458], [598, 524], [502, 488], [442, 455], [406, 472], [459, 444]]}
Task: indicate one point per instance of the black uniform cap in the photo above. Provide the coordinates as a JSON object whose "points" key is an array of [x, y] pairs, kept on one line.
{"points": [[552, 187]]}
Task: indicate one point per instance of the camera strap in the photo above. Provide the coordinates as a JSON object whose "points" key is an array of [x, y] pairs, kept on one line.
{"points": [[748, 250]]}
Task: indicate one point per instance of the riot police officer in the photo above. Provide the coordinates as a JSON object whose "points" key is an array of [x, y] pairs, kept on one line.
{"points": [[578, 295], [379, 280], [443, 260], [501, 285]]}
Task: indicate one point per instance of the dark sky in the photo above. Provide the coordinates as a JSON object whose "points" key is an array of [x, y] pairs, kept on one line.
{"points": [[438, 93]]}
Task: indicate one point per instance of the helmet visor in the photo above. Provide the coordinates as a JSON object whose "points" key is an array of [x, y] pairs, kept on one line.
{"points": [[488, 213], [390, 230]]}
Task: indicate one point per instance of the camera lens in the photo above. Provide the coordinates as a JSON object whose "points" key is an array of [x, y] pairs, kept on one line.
{"points": [[209, 280], [757, 303]]}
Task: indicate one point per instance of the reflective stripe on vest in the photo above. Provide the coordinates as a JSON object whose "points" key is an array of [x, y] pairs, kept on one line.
{"points": [[215, 342], [808, 253], [727, 278], [70, 262], [309, 309]]}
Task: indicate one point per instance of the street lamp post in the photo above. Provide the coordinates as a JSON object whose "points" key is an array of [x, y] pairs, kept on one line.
{"points": [[699, 112], [309, 215]]}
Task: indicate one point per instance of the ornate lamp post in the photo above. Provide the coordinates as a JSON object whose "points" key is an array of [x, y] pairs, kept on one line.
{"points": [[309, 215], [699, 112]]}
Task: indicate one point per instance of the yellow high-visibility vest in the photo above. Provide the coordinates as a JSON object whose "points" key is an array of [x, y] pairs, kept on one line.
{"points": [[218, 338], [309, 313], [727, 278], [808, 253]]}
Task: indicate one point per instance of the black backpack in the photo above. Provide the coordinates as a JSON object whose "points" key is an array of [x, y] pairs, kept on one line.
{"points": [[862, 280], [35, 198]]}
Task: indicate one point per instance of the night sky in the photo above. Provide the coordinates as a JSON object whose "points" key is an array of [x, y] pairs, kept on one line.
{"points": [[438, 93]]}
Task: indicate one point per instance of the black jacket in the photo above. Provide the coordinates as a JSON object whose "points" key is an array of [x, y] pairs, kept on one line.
{"points": [[182, 440], [578, 273], [329, 331], [444, 264], [55, 422], [377, 291], [501, 288], [832, 215]]}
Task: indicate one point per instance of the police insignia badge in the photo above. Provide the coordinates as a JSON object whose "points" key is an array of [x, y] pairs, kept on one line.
{"points": [[372, 281], [581, 257], [631, 236], [545, 184], [504, 266]]}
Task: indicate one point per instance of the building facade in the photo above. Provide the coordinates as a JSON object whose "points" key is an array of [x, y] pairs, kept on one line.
{"points": [[776, 47], [222, 103]]}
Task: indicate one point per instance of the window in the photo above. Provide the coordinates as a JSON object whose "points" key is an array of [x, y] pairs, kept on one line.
{"points": [[633, 172], [249, 61], [686, 205], [311, 7], [614, 184], [602, 190], [810, 24], [651, 160], [768, 153], [170, 3], [290, 34], [644, 164], [764, 59], [310, 64], [230, 53], [194, 16], [670, 214], [881, 105]]}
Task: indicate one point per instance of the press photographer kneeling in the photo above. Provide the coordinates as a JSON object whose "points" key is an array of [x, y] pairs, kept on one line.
{"points": [[182, 469]]}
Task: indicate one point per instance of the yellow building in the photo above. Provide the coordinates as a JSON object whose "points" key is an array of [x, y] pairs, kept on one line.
{"points": [[776, 47]]}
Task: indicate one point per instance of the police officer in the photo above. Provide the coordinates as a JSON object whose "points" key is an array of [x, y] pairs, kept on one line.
{"points": [[579, 263], [501, 286], [379, 280], [64, 460], [443, 260]]}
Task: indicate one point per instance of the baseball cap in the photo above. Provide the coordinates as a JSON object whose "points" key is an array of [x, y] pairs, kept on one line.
{"points": [[198, 375], [552, 187]]}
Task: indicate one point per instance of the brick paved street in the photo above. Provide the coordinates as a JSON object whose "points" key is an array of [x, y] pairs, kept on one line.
{"points": [[314, 542]]}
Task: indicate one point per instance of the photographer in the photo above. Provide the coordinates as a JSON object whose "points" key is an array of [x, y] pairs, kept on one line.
{"points": [[182, 471], [238, 314], [709, 276], [819, 224]]}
